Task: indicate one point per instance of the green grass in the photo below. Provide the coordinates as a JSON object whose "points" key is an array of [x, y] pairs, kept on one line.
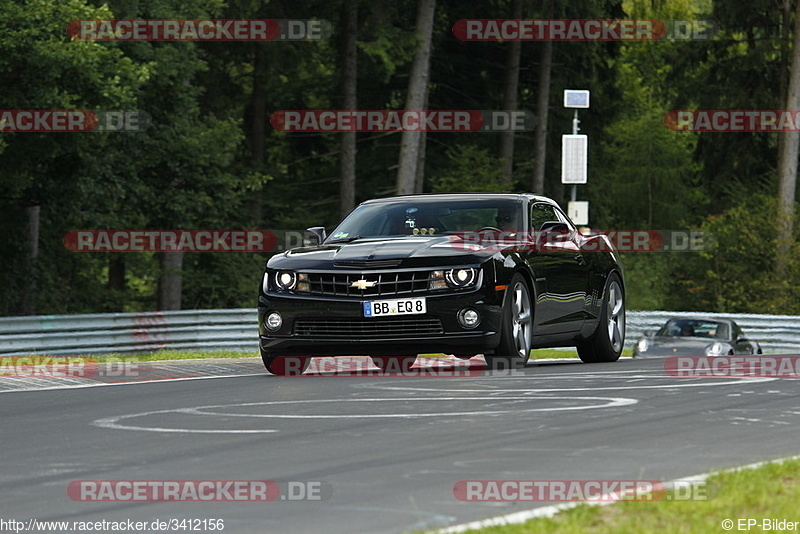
{"points": [[771, 491], [540, 354], [167, 355]]}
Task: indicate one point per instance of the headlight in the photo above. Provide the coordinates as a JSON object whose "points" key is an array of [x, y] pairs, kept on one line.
{"points": [[715, 349], [643, 345], [460, 277], [453, 278], [285, 280]]}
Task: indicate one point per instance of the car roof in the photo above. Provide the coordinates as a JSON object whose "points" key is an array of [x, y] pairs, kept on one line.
{"points": [[432, 197], [700, 318]]}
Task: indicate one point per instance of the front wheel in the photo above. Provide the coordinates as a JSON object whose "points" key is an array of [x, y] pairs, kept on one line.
{"points": [[605, 345], [517, 327], [285, 365]]}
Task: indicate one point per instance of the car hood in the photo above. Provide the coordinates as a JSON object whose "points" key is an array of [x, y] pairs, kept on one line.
{"points": [[678, 346], [388, 253]]}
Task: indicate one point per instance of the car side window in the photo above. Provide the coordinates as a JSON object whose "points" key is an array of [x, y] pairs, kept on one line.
{"points": [[540, 214], [563, 218], [737, 332]]}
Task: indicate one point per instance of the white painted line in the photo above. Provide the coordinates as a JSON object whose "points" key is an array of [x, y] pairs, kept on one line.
{"points": [[168, 364], [136, 383], [614, 402], [714, 382], [115, 422], [550, 511]]}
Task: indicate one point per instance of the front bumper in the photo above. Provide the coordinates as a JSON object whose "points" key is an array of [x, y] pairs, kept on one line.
{"points": [[451, 338]]}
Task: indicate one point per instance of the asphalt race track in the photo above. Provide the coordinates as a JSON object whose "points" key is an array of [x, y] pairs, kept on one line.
{"points": [[386, 449]]}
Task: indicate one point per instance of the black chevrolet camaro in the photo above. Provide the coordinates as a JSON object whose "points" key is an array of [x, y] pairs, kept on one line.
{"points": [[462, 274]]}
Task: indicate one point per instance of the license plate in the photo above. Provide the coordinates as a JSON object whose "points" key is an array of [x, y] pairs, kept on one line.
{"points": [[381, 308]]}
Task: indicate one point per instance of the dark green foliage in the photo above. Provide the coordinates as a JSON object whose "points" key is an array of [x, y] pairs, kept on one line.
{"points": [[200, 166]]}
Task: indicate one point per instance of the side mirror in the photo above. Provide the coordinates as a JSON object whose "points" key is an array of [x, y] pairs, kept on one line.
{"points": [[314, 236], [553, 232]]}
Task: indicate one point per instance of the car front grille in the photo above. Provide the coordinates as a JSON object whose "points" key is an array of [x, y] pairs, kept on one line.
{"points": [[367, 328], [381, 284]]}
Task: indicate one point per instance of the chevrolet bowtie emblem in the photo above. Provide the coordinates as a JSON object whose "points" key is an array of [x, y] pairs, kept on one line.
{"points": [[363, 284]]}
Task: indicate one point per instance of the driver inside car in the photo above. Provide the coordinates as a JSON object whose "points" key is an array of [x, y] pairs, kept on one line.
{"points": [[506, 220]]}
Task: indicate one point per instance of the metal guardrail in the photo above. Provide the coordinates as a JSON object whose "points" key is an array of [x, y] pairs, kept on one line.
{"points": [[105, 333], [236, 329], [775, 333]]}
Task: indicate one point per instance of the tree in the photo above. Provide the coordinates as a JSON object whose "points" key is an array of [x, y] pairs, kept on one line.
{"points": [[415, 98], [472, 170], [787, 165], [542, 114], [41, 168], [347, 169], [511, 90]]}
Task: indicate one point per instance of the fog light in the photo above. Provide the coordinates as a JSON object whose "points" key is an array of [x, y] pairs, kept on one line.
{"points": [[469, 318], [274, 321]]}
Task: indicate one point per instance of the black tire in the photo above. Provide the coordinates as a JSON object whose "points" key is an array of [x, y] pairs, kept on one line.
{"points": [[394, 364], [285, 365], [516, 329], [605, 344]]}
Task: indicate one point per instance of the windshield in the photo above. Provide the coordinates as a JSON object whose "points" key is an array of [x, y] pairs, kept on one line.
{"points": [[427, 217], [694, 328]]}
